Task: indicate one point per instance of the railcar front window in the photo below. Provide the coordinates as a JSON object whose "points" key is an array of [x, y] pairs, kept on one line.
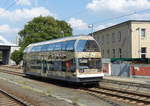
{"points": [[90, 63], [87, 46]]}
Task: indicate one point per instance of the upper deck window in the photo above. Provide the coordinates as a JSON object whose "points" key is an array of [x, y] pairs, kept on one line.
{"points": [[70, 45], [87, 46], [57, 46], [44, 47], [51, 47], [25, 50], [36, 48], [63, 46]]}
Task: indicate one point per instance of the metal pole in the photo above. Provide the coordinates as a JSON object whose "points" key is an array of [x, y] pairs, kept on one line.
{"points": [[139, 43], [62, 32], [92, 28]]}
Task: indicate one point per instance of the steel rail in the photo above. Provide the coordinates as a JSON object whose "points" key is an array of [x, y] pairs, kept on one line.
{"points": [[12, 99], [124, 95]]}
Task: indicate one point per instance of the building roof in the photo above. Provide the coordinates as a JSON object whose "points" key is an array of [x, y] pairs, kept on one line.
{"points": [[4, 42], [63, 39], [126, 22]]}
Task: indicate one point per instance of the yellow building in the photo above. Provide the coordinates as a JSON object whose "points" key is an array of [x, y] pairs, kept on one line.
{"points": [[130, 39]]}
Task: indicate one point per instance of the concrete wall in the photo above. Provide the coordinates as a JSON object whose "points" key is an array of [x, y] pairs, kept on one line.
{"points": [[140, 70], [126, 70], [130, 43], [108, 40]]}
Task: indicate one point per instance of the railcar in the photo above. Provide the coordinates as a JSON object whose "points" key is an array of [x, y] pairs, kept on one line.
{"points": [[75, 59]]}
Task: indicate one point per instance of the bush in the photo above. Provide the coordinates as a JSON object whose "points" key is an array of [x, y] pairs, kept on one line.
{"points": [[17, 56]]}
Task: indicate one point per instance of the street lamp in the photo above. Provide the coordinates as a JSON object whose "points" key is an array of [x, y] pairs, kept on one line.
{"points": [[92, 28], [62, 32]]}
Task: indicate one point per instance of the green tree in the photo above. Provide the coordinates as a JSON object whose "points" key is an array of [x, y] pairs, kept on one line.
{"points": [[17, 56], [43, 28]]}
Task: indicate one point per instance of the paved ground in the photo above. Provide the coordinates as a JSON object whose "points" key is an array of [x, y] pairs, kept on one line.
{"points": [[47, 94], [51, 93], [125, 79]]}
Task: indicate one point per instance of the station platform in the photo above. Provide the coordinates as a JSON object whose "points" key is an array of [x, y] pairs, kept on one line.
{"points": [[128, 79]]}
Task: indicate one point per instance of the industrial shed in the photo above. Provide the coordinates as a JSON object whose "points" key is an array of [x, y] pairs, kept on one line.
{"points": [[6, 48]]}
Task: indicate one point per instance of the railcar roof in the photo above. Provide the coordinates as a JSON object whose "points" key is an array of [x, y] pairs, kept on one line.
{"points": [[63, 39]]}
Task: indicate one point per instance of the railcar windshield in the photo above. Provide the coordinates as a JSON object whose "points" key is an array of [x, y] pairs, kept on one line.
{"points": [[87, 46]]}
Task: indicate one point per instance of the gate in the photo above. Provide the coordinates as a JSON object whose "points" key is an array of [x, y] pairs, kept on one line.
{"points": [[122, 70]]}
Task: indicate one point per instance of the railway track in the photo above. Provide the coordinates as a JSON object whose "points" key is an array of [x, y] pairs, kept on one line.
{"points": [[9, 100], [12, 72], [123, 95], [120, 95]]}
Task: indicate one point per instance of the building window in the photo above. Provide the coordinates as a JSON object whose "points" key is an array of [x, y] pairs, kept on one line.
{"points": [[113, 37], [108, 53], [143, 52], [103, 39], [107, 38], [120, 52], [143, 32], [113, 52], [119, 36], [103, 53]]}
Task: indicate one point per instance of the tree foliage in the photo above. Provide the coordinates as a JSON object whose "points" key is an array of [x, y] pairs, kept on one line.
{"points": [[17, 56], [43, 28]]}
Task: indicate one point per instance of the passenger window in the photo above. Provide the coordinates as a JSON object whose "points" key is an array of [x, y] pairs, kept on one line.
{"points": [[57, 46], [25, 50], [33, 49], [70, 45], [44, 48], [38, 48], [63, 46], [51, 47]]}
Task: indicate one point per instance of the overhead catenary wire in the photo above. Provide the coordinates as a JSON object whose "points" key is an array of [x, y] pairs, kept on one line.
{"points": [[74, 14], [121, 16], [5, 3], [9, 6]]}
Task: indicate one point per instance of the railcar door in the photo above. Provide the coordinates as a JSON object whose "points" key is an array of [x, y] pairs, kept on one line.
{"points": [[69, 63]]}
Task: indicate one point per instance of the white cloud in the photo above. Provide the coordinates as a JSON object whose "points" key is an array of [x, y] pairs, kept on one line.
{"points": [[23, 2], [144, 16], [8, 32], [19, 17], [6, 29], [118, 6], [78, 24], [25, 14]]}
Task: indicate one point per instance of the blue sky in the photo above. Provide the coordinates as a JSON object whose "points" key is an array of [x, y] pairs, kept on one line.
{"points": [[14, 14]]}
